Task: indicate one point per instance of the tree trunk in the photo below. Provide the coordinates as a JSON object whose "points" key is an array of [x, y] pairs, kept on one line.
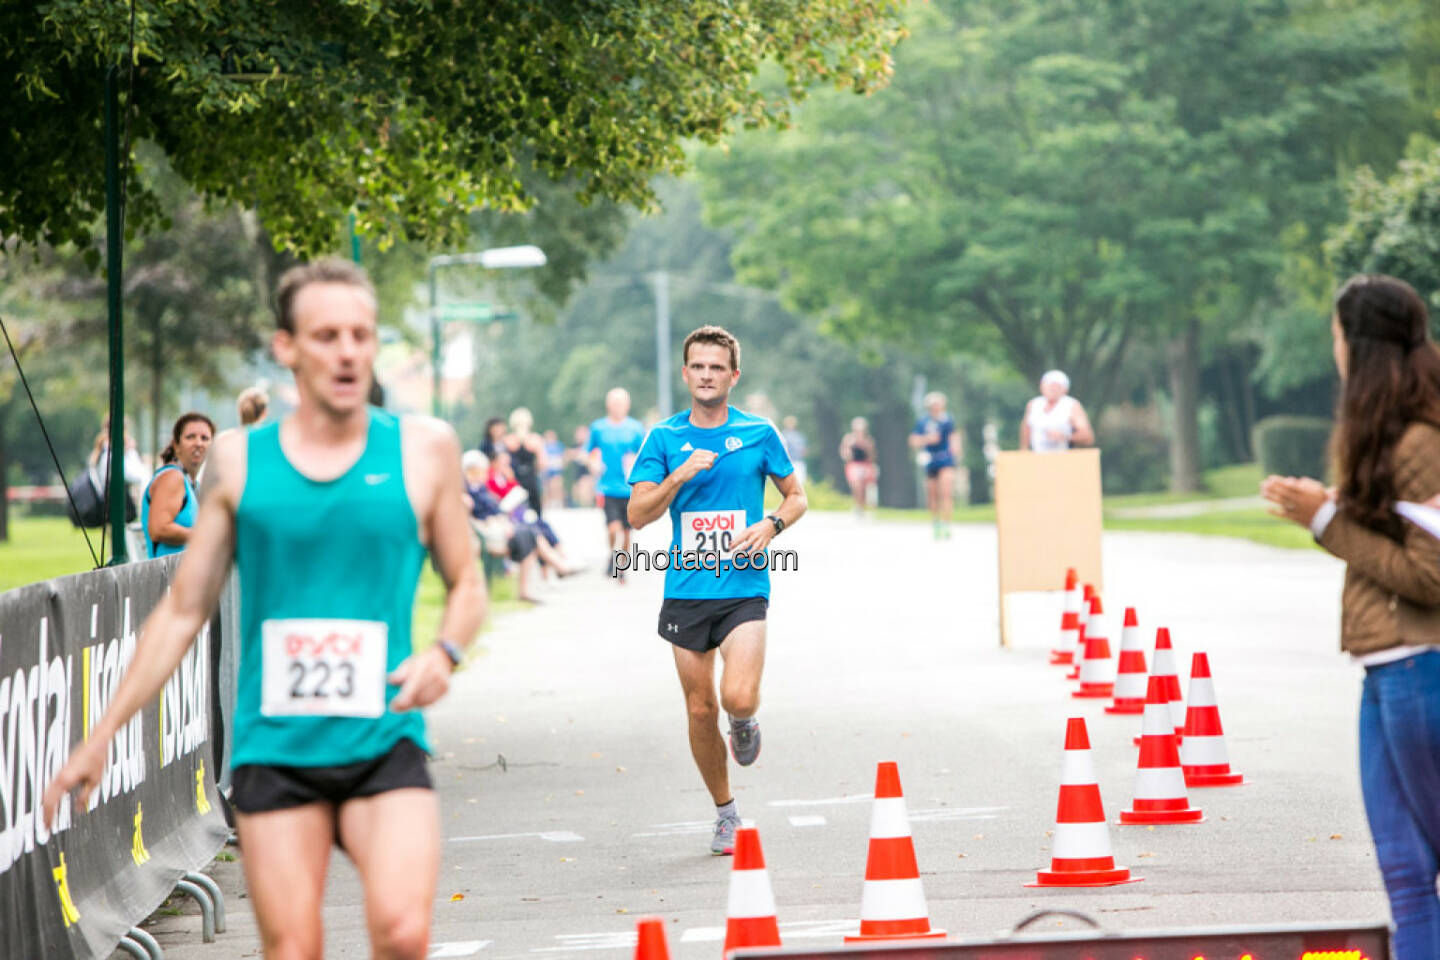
{"points": [[891, 427], [1182, 362], [825, 444]]}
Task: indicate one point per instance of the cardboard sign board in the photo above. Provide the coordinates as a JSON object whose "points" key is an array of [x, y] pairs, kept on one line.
{"points": [[1047, 518]]}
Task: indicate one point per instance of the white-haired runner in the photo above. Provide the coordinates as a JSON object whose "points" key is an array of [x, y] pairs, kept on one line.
{"points": [[1055, 420]]}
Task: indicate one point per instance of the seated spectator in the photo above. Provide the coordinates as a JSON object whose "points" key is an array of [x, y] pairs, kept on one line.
{"points": [[509, 534]]}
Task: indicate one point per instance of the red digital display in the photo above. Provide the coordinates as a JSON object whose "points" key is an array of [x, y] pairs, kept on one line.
{"points": [[1266, 943]]}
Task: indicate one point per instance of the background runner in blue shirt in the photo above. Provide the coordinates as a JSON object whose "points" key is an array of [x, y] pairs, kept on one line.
{"points": [[707, 466], [935, 432], [614, 441]]}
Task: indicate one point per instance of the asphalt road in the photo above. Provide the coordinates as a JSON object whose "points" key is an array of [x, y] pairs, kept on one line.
{"points": [[883, 646]]}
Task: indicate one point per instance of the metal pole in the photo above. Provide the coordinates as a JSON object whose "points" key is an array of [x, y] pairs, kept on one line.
{"points": [[434, 344], [114, 242], [661, 280]]}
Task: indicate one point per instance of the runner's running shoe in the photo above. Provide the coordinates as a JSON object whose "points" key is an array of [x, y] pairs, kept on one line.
{"points": [[723, 843], [744, 740]]}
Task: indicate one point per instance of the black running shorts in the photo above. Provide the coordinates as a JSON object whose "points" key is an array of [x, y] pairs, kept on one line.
{"points": [[617, 510], [259, 788], [702, 625]]}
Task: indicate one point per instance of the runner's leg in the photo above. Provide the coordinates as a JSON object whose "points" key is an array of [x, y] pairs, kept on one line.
{"points": [[697, 680], [394, 839], [945, 483], [286, 854], [743, 652]]}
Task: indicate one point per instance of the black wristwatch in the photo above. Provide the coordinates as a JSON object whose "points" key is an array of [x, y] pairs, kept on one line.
{"points": [[779, 524]]}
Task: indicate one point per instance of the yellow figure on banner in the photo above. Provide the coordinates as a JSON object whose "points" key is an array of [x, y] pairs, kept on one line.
{"points": [[62, 885], [138, 853], [202, 804]]}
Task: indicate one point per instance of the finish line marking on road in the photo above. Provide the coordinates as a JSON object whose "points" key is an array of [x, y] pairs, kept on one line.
{"points": [[457, 948], [806, 820], [550, 836]]}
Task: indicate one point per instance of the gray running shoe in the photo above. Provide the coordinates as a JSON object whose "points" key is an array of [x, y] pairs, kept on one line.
{"points": [[744, 740], [723, 843]]}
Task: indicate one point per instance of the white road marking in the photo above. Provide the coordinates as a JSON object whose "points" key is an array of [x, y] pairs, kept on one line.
{"points": [[806, 820], [458, 948], [955, 813], [624, 940], [793, 929], [827, 802], [552, 836], [685, 827]]}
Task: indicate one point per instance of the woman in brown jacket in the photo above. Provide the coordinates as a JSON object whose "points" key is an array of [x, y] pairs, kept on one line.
{"points": [[1387, 454]]}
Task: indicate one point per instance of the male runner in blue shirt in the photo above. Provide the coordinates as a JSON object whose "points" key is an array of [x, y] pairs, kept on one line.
{"points": [[707, 466], [614, 441]]}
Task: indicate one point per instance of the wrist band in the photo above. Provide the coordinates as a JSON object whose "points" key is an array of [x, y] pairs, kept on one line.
{"points": [[451, 651]]}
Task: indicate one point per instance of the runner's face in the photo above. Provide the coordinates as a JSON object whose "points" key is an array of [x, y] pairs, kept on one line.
{"points": [[1052, 390], [194, 442], [332, 351], [708, 375]]}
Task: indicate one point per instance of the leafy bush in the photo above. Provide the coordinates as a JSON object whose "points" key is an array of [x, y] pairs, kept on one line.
{"points": [[1133, 459], [1293, 446]]}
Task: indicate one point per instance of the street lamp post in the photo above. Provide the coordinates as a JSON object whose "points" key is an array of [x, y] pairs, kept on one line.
{"points": [[496, 258]]}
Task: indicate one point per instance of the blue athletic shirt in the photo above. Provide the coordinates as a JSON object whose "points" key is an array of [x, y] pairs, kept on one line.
{"points": [[719, 503], [615, 441], [944, 425]]}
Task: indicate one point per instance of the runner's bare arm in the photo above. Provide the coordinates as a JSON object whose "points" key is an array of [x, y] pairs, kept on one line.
{"points": [[433, 475], [171, 628], [167, 498], [649, 501], [1025, 427], [758, 535], [1083, 435]]}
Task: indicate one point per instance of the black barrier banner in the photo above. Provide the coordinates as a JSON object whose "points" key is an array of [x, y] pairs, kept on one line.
{"points": [[64, 644]]}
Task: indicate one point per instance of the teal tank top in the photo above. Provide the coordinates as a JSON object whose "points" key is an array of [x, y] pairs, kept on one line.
{"points": [[185, 518], [328, 572]]}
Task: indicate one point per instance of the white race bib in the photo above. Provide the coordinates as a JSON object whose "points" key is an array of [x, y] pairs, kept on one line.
{"points": [[711, 531], [320, 667]]}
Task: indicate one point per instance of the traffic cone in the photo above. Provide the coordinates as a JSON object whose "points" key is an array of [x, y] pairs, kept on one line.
{"points": [[1084, 617], [1163, 666], [1080, 851], [650, 939], [1131, 682], [1159, 784], [750, 915], [1064, 653], [1202, 751], [892, 903], [1097, 670]]}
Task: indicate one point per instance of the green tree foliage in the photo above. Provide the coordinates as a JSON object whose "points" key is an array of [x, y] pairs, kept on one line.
{"points": [[411, 113], [1054, 184], [1394, 224]]}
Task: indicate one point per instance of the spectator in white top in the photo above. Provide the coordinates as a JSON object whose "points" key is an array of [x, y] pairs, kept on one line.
{"points": [[1055, 420]]}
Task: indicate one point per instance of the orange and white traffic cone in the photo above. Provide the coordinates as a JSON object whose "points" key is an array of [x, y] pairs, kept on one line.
{"points": [[1202, 751], [650, 939], [1159, 784], [1162, 665], [1097, 670], [1080, 852], [1083, 618], [892, 903], [1064, 652], [1131, 682], [750, 916]]}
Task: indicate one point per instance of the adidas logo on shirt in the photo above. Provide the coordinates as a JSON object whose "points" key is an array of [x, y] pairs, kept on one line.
{"points": [[686, 448]]}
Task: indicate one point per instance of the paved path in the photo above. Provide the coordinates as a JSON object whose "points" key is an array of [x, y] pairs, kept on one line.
{"points": [[883, 647]]}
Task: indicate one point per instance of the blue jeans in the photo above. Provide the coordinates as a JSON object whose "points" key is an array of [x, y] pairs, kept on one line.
{"points": [[1400, 777]]}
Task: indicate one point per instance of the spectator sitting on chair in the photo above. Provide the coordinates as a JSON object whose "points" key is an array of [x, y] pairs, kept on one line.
{"points": [[169, 507], [503, 535]]}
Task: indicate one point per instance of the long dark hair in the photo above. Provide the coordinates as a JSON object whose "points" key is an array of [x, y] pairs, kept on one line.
{"points": [[168, 455], [1392, 380]]}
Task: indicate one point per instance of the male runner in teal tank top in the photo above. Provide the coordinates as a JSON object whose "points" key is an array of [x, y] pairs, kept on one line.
{"points": [[327, 516]]}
